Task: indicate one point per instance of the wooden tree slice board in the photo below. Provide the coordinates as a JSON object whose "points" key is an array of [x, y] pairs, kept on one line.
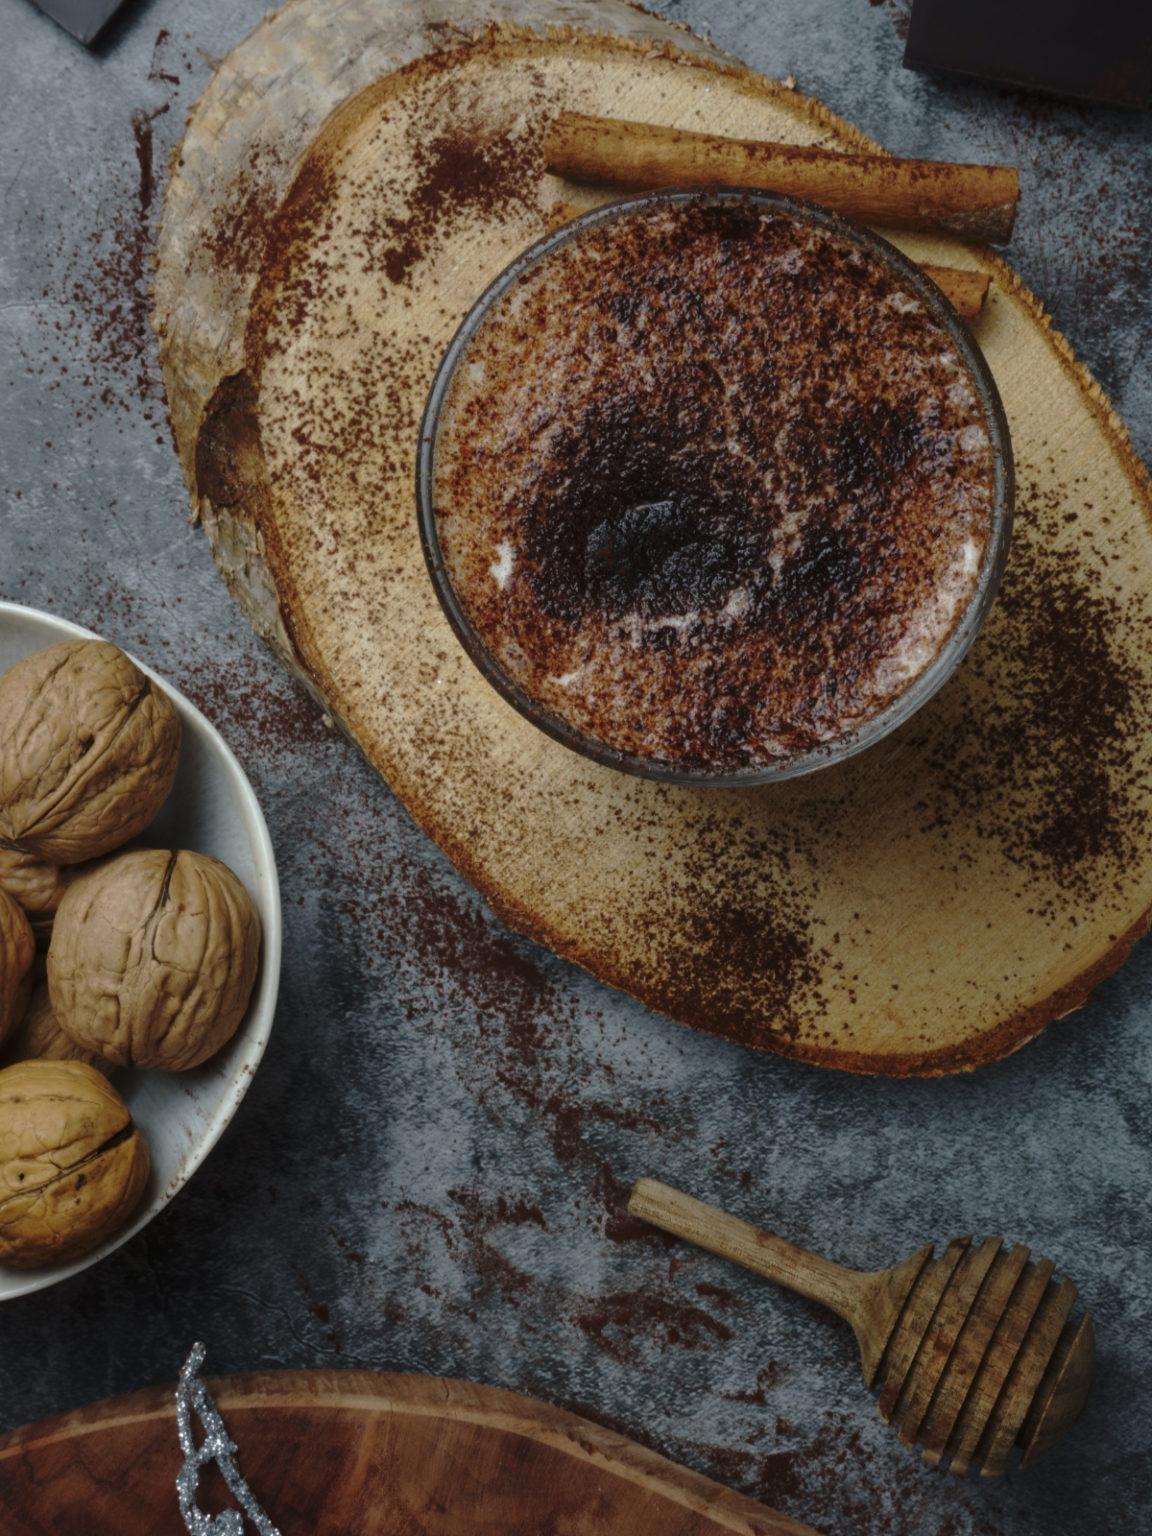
{"points": [[924, 908], [353, 1453]]}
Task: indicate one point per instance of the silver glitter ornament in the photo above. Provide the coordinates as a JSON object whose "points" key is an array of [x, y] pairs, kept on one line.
{"points": [[192, 1397]]}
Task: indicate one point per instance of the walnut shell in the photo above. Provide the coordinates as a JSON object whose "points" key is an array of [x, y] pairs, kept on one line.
{"points": [[37, 886], [72, 1163], [17, 951], [88, 751], [38, 1037], [153, 958]]}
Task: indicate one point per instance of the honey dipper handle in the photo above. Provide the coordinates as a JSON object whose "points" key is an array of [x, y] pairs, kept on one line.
{"points": [[774, 1257]]}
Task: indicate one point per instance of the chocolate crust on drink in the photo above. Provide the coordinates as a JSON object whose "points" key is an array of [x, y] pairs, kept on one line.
{"points": [[712, 484]]}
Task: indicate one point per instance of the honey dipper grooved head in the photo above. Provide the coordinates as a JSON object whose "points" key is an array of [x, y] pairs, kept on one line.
{"points": [[979, 1357]]}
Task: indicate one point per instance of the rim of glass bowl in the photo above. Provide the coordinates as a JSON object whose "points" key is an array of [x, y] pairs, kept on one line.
{"points": [[898, 710]]}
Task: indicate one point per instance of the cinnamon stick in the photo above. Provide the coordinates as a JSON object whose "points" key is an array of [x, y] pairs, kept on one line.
{"points": [[964, 289], [977, 202]]}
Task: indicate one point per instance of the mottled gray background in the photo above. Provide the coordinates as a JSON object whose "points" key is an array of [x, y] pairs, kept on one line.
{"points": [[426, 1174]]}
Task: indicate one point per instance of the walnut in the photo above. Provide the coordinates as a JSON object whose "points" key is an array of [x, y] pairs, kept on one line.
{"points": [[38, 1037], [153, 958], [17, 950], [88, 751], [37, 886], [72, 1163]]}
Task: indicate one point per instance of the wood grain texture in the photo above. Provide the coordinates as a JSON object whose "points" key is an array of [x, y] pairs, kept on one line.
{"points": [[925, 908], [846, 1292], [973, 1352], [353, 1453]]}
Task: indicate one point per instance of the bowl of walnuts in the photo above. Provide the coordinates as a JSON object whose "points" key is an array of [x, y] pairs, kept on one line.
{"points": [[139, 945]]}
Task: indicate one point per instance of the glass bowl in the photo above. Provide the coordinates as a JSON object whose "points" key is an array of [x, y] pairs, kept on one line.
{"points": [[898, 710]]}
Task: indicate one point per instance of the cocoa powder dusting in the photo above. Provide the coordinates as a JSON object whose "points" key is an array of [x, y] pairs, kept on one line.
{"points": [[112, 294], [456, 172], [619, 1225], [749, 962], [622, 1324], [1042, 754], [767, 1378], [270, 710], [294, 274], [517, 1033], [142, 133], [97, 308], [238, 240], [522, 1026], [156, 70], [840, 1478], [748, 968], [899, 13], [613, 1322]]}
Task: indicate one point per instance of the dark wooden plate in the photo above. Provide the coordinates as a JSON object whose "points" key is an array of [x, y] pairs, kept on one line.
{"points": [[352, 1453]]}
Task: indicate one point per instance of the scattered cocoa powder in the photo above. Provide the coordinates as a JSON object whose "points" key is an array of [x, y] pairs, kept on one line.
{"points": [[517, 1030], [320, 1310], [747, 963], [156, 71], [767, 1377], [472, 167], [773, 1476], [622, 1324], [96, 312], [1044, 761], [498, 1212], [842, 1480], [238, 240], [456, 171], [353, 1255], [109, 295], [264, 708], [619, 1226], [898, 11], [617, 1323]]}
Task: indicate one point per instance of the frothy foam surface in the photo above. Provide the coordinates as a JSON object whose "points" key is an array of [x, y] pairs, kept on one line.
{"points": [[712, 485]]}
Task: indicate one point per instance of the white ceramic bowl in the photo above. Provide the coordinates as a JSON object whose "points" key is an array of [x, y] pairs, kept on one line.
{"points": [[212, 809]]}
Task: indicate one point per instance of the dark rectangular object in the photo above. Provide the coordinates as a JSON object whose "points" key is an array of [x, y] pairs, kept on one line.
{"points": [[1092, 50], [85, 19]]}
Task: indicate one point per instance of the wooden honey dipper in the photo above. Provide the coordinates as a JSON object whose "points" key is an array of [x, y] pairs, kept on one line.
{"points": [[973, 1352]]}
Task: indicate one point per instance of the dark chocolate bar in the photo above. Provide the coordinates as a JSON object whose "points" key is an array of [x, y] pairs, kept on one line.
{"points": [[1091, 50], [85, 19]]}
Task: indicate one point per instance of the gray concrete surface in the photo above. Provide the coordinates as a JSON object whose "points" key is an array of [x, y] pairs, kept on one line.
{"points": [[426, 1174]]}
